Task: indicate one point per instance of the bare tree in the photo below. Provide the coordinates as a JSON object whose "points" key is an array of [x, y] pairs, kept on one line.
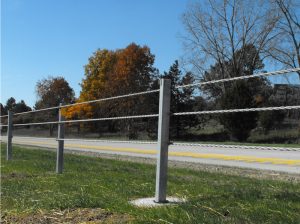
{"points": [[286, 49], [218, 29]]}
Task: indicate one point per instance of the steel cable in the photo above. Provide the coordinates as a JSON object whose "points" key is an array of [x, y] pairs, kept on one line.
{"points": [[89, 120], [240, 78], [112, 98], [107, 141], [238, 110], [91, 101], [236, 146]]}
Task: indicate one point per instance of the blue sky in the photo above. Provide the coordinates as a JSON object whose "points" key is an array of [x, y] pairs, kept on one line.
{"points": [[56, 37]]}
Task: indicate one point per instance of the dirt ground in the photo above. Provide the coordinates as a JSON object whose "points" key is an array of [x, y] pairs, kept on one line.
{"points": [[78, 215]]}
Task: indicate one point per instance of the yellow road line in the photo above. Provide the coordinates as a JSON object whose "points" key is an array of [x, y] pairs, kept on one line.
{"points": [[249, 159]]}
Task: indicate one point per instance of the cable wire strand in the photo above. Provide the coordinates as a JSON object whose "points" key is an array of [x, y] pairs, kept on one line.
{"points": [[240, 78], [107, 141], [39, 110], [89, 120], [111, 98], [91, 101], [37, 123], [110, 118], [238, 110], [236, 146], [28, 137]]}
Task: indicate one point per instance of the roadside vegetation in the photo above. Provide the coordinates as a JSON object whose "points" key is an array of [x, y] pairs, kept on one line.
{"points": [[94, 190]]}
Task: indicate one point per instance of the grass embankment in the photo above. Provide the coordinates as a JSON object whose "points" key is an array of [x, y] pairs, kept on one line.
{"points": [[95, 189]]}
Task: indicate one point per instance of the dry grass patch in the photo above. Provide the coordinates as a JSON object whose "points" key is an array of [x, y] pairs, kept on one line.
{"points": [[78, 215]]}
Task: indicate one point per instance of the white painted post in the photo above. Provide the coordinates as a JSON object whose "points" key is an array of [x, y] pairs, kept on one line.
{"points": [[60, 147], [9, 135], [163, 141]]}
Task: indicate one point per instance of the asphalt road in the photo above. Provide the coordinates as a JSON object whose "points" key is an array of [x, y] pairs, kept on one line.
{"points": [[276, 160]]}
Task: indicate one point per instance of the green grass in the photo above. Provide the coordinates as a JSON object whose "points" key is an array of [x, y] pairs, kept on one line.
{"points": [[29, 184]]}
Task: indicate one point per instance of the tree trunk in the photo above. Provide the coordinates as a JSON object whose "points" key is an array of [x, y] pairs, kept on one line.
{"points": [[78, 128], [51, 129]]}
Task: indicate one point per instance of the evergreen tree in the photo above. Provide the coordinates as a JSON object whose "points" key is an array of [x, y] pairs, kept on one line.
{"points": [[238, 94], [181, 100], [10, 104], [21, 107], [3, 111], [238, 125]]}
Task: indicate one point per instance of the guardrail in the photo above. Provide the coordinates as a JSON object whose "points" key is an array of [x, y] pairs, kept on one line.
{"points": [[163, 140]]}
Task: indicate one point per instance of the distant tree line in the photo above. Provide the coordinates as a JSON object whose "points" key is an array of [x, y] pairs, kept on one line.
{"points": [[130, 70], [14, 106]]}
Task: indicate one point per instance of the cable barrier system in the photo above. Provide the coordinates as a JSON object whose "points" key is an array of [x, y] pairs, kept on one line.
{"points": [[241, 110], [163, 140]]}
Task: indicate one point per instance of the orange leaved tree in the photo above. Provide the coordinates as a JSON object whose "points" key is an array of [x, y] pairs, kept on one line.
{"points": [[112, 73]]}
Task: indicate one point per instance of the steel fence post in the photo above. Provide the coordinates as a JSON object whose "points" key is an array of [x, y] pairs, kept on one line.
{"points": [[163, 141], [9, 135], [60, 140]]}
